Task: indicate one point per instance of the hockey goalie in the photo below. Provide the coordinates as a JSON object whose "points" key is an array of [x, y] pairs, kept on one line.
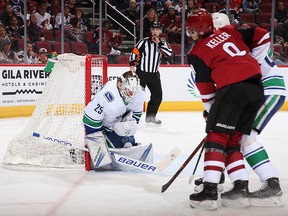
{"points": [[110, 120]]}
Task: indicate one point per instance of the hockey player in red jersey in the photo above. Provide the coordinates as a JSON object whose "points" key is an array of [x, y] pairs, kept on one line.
{"points": [[229, 82]]}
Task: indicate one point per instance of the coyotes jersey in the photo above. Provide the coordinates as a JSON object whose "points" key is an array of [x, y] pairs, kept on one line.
{"points": [[220, 60], [108, 107]]}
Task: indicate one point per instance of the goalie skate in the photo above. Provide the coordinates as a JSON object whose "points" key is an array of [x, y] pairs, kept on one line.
{"points": [[269, 195]]}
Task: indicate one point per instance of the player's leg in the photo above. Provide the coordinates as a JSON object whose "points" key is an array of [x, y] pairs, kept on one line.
{"points": [[257, 157], [155, 88], [221, 123], [235, 166]]}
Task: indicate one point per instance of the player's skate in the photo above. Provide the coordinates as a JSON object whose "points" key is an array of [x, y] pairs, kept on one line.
{"points": [[237, 197], [199, 184], [153, 121], [207, 198], [268, 195]]}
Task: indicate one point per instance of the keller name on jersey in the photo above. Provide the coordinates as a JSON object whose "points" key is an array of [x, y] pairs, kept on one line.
{"points": [[218, 40]]}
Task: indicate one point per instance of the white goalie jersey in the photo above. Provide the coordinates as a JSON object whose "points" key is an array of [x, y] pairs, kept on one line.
{"points": [[108, 107]]}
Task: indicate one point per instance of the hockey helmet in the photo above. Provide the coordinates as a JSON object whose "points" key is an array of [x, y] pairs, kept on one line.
{"points": [[201, 22], [220, 20], [130, 83]]}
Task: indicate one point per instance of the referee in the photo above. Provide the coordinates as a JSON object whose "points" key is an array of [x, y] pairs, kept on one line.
{"points": [[146, 57]]}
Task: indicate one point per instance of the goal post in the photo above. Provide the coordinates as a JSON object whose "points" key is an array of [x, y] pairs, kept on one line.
{"points": [[74, 80]]}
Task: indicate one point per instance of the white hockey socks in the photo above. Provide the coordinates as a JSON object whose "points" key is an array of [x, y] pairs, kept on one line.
{"points": [[258, 159]]}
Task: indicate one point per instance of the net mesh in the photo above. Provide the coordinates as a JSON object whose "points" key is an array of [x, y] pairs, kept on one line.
{"points": [[57, 118]]}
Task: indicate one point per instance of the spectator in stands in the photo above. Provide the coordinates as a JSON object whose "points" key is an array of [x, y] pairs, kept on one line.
{"points": [[110, 40], [17, 6], [31, 55], [190, 8], [147, 6], [132, 13], [178, 7], [214, 9], [7, 55], [2, 5], [55, 7], [72, 31], [159, 6], [3, 35], [72, 4], [236, 5], [165, 9], [172, 25], [6, 14], [43, 17], [150, 17], [281, 13], [250, 6], [34, 32], [234, 16], [278, 39], [67, 17], [84, 22], [32, 6], [42, 56], [14, 31]]}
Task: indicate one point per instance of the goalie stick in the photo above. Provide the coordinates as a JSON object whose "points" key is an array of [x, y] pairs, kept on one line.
{"points": [[120, 159], [163, 188]]}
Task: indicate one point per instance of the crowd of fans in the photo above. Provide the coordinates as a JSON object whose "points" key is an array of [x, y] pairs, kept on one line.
{"points": [[169, 13], [45, 15]]}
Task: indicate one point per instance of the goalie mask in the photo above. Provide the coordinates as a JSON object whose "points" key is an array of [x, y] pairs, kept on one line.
{"points": [[130, 83], [220, 20]]}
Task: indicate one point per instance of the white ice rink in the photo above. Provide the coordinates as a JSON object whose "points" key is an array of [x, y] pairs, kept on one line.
{"points": [[81, 193]]}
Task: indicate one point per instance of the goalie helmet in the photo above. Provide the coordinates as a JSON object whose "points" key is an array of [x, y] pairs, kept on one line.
{"points": [[130, 83], [201, 22], [220, 20]]}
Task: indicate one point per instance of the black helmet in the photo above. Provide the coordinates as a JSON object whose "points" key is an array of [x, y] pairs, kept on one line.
{"points": [[156, 25]]}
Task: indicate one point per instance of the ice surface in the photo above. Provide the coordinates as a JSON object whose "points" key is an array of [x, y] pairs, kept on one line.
{"points": [[81, 193]]}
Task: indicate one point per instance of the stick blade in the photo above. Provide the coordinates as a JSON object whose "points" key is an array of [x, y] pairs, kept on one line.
{"points": [[174, 153], [152, 188], [191, 179]]}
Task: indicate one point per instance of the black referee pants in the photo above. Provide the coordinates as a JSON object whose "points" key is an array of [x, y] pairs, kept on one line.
{"points": [[153, 82]]}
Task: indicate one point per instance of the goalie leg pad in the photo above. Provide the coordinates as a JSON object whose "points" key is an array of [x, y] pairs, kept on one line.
{"points": [[99, 152]]}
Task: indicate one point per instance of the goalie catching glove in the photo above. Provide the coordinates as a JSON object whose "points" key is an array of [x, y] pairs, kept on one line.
{"points": [[127, 126]]}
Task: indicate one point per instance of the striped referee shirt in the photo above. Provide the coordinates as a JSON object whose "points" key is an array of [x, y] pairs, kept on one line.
{"points": [[147, 55]]}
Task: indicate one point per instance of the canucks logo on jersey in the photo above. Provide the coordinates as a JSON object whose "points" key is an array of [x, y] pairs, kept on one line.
{"points": [[109, 96]]}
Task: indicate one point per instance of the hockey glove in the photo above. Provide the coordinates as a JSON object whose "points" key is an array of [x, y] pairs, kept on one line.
{"points": [[205, 115]]}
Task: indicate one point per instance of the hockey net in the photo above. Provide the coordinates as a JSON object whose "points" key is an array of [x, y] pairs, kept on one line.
{"points": [[57, 117]]}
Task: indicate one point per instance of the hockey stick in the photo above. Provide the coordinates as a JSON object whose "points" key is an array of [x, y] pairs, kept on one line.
{"points": [[196, 165], [163, 188], [120, 159]]}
